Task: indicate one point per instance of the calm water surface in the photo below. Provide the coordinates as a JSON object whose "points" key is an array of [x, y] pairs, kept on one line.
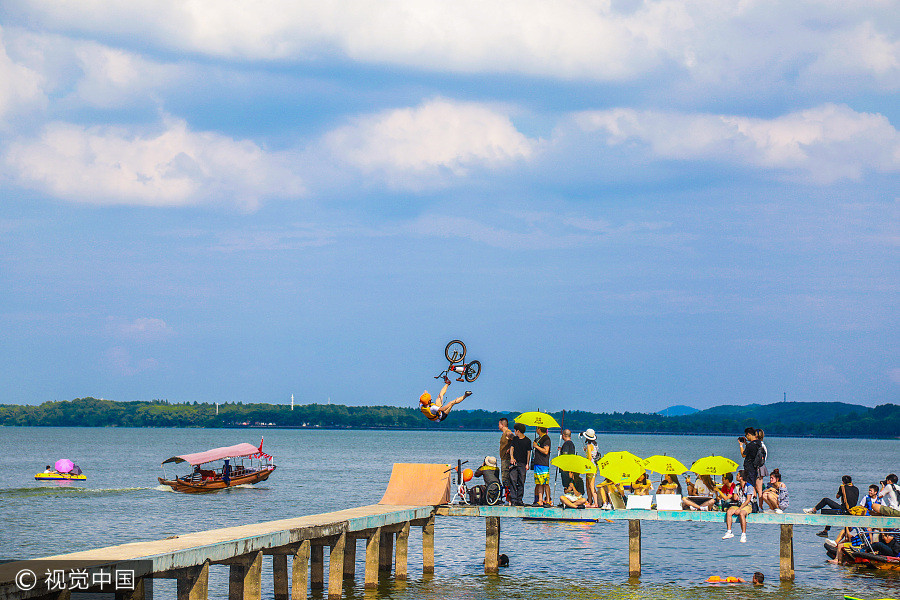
{"points": [[320, 471]]}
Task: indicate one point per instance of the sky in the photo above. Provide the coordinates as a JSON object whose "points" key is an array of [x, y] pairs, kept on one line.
{"points": [[616, 204]]}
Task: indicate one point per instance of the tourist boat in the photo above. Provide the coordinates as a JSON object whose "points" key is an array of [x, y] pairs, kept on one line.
{"points": [[60, 477], [242, 464]]}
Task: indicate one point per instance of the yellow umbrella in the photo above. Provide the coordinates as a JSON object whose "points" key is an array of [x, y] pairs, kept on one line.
{"points": [[620, 467], [664, 465], [574, 463], [537, 419], [713, 465]]}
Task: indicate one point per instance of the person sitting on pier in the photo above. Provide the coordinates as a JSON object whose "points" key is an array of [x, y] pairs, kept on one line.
{"points": [[890, 498], [847, 494], [491, 474], [743, 493], [870, 499], [776, 495], [641, 486], [572, 498], [669, 485], [704, 495], [605, 491], [438, 411]]}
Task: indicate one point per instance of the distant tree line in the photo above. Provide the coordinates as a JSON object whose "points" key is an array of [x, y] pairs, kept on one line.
{"points": [[824, 419]]}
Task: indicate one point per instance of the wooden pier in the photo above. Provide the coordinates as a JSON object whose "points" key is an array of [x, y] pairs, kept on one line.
{"points": [[385, 528]]}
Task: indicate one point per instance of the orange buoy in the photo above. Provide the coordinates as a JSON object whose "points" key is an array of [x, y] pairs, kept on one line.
{"points": [[467, 475]]}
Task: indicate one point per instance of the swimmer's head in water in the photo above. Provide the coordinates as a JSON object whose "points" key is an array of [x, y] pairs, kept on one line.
{"points": [[758, 578], [425, 398]]}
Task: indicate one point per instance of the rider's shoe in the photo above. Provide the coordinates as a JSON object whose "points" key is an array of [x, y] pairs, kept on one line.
{"points": [[460, 378], [446, 380], [467, 394]]}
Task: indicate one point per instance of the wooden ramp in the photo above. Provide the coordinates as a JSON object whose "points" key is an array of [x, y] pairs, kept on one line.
{"points": [[415, 484]]}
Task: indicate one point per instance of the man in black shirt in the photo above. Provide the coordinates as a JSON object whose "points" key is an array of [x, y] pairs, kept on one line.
{"points": [[568, 447], [540, 464], [847, 496], [750, 446], [520, 454]]}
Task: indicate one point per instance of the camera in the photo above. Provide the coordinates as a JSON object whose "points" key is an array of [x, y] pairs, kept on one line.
{"points": [[742, 440]]}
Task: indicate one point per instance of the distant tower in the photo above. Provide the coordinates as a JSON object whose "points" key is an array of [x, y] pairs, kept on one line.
{"points": [[217, 408], [292, 402]]}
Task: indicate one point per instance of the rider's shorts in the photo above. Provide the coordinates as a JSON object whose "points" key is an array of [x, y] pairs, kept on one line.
{"points": [[541, 475]]}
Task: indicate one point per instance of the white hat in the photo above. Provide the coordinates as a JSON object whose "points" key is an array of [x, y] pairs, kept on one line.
{"points": [[490, 461], [589, 435]]}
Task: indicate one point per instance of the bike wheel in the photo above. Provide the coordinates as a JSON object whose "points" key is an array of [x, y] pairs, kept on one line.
{"points": [[455, 351], [492, 495], [473, 370]]}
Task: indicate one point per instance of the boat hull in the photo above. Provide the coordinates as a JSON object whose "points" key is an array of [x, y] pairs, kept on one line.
{"points": [[215, 485], [876, 561], [59, 477]]}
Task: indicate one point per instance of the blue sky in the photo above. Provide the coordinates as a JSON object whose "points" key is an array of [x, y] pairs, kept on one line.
{"points": [[618, 205]]}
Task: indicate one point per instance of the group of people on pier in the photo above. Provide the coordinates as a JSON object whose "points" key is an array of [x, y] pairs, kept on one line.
{"points": [[750, 489]]}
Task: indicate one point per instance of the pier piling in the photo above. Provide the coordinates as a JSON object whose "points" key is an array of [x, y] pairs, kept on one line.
{"points": [[373, 553], [317, 567], [350, 557], [400, 555], [300, 572], [386, 552], [634, 548], [280, 576], [193, 582], [787, 552], [492, 545], [428, 546], [336, 567], [245, 577]]}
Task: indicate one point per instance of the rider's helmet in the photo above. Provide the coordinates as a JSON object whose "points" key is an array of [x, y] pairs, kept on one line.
{"points": [[425, 398]]}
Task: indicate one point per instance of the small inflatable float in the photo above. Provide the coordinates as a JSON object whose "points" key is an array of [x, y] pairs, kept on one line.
{"points": [[63, 470]]}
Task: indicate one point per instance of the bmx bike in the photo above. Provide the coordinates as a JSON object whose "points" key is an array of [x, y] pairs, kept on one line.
{"points": [[455, 353]]}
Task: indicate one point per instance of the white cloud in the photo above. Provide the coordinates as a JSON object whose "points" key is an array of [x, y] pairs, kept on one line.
{"points": [[141, 329], [20, 87], [171, 167], [412, 146], [821, 145], [120, 361], [718, 42]]}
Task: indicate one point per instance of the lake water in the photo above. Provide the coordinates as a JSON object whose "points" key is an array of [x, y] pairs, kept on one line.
{"points": [[320, 471]]}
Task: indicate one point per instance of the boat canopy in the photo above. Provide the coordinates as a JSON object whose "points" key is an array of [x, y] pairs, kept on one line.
{"points": [[200, 458]]}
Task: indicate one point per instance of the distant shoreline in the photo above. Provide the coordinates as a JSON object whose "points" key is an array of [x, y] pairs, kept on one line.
{"points": [[827, 420]]}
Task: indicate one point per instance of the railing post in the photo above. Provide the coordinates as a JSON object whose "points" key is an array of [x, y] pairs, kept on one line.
{"points": [[787, 552], [193, 583], [428, 546], [317, 567], [492, 545], [400, 555], [634, 548], [280, 576], [373, 551], [300, 572], [245, 577], [336, 567]]}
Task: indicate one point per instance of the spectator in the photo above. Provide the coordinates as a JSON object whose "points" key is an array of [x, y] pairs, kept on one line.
{"points": [[540, 464], [847, 496], [568, 447], [641, 486], [520, 454], [704, 495], [489, 471], [762, 473], [506, 436], [725, 492], [776, 495], [890, 506], [751, 448], [888, 544], [743, 494], [870, 499], [590, 451], [572, 498], [669, 485]]}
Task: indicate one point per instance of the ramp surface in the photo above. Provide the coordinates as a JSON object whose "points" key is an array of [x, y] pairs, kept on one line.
{"points": [[414, 484]]}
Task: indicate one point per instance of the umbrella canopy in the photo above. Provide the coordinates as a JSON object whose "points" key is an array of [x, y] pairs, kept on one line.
{"points": [[574, 463], [64, 465], [663, 465], [620, 467], [713, 465], [537, 419]]}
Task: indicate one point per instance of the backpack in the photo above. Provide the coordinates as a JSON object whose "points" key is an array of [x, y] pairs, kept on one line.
{"points": [[760, 458]]}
